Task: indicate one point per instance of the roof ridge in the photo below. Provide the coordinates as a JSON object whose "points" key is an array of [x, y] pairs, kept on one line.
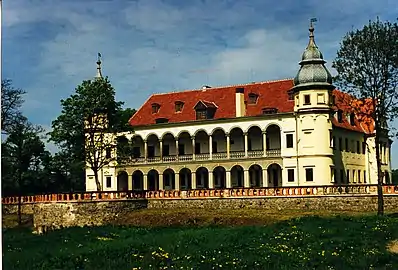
{"points": [[223, 86]]}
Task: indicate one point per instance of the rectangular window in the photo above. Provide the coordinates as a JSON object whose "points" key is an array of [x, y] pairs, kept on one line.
{"points": [[289, 140], [201, 114], [321, 98], [307, 100], [108, 182], [108, 153], [309, 174], [290, 175], [348, 176]]}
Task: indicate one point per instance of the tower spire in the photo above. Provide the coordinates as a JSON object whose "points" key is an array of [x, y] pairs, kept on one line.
{"points": [[311, 29], [99, 73]]}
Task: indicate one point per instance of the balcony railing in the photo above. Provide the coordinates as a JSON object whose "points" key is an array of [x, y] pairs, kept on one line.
{"points": [[299, 191], [206, 156]]}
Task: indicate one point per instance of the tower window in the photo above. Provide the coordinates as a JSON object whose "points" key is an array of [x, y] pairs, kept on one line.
{"points": [[321, 98], [155, 108], [253, 98], [340, 116], [307, 99]]}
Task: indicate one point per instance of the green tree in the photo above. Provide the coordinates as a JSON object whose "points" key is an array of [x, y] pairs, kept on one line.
{"points": [[22, 155], [367, 66], [74, 130], [11, 102]]}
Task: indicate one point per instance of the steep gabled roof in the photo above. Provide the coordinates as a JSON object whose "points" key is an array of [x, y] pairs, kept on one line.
{"points": [[271, 94]]}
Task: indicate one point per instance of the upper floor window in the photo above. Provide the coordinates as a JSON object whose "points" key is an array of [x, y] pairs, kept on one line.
{"points": [[253, 98], [270, 110], [178, 106], [289, 140], [161, 120], [108, 153], [201, 114], [205, 110], [307, 99], [155, 108]]}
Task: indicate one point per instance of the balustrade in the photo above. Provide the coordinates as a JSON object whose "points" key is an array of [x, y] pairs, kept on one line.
{"points": [[347, 190]]}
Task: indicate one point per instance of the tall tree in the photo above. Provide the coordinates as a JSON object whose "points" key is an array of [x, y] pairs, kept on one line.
{"points": [[11, 101], [22, 156], [367, 66], [73, 131]]}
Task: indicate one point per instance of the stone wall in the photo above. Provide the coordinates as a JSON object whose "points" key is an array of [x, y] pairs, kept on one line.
{"points": [[26, 208], [67, 214]]}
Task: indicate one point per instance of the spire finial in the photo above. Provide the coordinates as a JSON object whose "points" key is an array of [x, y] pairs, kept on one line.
{"points": [[99, 73], [312, 41]]}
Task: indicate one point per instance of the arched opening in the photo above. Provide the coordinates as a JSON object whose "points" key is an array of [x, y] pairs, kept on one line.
{"points": [[122, 181], [273, 141], [202, 178], [255, 143], [201, 145], [185, 145], [219, 177], [153, 148], [255, 175], [237, 142], [274, 175], [185, 179], [153, 180], [137, 147], [123, 150], [219, 144], [169, 179], [169, 149], [237, 176], [138, 180], [387, 177]]}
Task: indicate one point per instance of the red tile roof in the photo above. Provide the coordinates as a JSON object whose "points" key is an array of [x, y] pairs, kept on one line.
{"points": [[271, 94]]}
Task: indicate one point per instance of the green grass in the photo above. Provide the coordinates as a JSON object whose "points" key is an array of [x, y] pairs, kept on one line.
{"points": [[342, 242]]}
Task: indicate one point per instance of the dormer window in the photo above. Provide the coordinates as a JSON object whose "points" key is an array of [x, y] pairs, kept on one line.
{"points": [[340, 116], [253, 98], [161, 120], [155, 108], [205, 110], [352, 119], [178, 106], [269, 110]]}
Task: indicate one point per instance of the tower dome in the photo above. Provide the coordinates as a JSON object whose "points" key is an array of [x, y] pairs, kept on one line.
{"points": [[312, 72]]}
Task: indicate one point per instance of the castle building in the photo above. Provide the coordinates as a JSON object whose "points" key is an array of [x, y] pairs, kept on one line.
{"points": [[293, 132]]}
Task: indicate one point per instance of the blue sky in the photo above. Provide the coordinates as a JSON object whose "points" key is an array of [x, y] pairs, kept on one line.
{"points": [[151, 46]]}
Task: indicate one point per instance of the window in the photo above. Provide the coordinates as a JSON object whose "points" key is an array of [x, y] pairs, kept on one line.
{"points": [[321, 98], [155, 108], [348, 176], [253, 98], [340, 116], [307, 100], [178, 106], [309, 174], [341, 144], [201, 114], [352, 119], [108, 153], [270, 110], [161, 120], [289, 140], [290, 175], [358, 148], [347, 148], [108, 181]]}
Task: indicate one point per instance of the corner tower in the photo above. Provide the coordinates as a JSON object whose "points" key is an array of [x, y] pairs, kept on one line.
{"points": [[312, 93]]}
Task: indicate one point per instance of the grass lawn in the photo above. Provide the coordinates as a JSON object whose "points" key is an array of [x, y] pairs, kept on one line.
{"points": [[310, 242]]}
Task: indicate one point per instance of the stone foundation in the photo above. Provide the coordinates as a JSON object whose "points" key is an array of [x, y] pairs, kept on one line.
{"points": [[68, 214]]}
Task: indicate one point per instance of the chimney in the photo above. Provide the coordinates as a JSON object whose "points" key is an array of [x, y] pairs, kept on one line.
{"points": [[240, 102]]}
